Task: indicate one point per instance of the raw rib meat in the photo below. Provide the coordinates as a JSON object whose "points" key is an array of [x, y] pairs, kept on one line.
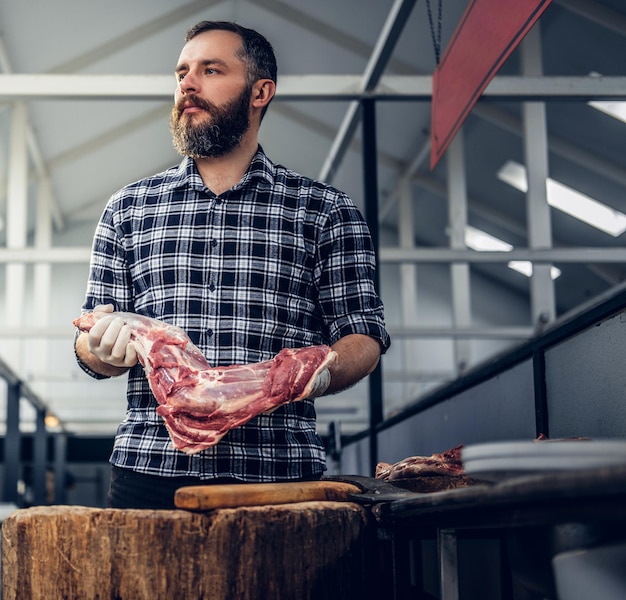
{"points": [[446, 463], [199, 403]]}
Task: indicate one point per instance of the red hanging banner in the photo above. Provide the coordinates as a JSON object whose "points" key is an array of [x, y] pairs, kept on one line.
{"points": [[485, 37]]}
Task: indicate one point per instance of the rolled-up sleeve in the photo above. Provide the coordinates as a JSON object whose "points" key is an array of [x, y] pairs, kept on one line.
{"points": [[347, 294]]}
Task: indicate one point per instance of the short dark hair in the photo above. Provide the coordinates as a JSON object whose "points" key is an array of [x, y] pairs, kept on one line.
{"points": [[256, 52]]}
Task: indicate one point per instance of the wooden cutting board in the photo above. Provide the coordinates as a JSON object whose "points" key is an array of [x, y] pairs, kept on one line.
{"points": [[208, 497]]}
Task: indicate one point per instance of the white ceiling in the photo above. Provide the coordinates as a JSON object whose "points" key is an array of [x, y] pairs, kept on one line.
{"points": [[91, 143]]}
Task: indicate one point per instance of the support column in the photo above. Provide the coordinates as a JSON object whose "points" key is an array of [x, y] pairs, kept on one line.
{"points": [[17, 204], [12, 444], [40, 458], [60, 455], [370, 191], [408, 283], [543, 308], [39, 353], [448, 564], [459, 272]]}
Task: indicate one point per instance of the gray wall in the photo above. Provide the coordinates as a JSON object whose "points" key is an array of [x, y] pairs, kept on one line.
{"points": [[498, 409], [585, 382]]}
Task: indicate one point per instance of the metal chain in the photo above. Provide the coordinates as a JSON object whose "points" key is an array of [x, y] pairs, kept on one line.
{"points": [[436, 37]]}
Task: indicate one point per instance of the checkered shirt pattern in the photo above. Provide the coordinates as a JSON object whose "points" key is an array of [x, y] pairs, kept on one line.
{"points": [[277, 261]]}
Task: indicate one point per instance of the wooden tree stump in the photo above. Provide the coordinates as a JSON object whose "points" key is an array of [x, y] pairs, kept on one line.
{"points": [[309, 550]]}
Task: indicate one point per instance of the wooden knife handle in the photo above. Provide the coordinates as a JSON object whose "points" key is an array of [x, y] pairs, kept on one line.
{"points": [[207, 497]]}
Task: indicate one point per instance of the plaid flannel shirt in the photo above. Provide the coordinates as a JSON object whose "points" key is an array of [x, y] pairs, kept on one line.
{"points": [[277, 261]]}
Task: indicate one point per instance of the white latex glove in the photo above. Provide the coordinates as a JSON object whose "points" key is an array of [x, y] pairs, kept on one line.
{"points": [[320, 384], [109, 340]]}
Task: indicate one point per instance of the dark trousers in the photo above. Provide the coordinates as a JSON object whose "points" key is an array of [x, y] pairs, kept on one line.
{"points": [[129, 489]]}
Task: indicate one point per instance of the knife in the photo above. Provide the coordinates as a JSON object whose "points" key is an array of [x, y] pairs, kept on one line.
{"points": [[352, 488]]}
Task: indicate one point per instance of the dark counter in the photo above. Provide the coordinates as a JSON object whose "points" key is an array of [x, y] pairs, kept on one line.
{"points": [[530, 518]]}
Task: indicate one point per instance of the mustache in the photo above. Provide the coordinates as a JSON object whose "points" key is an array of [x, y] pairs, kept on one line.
{"points": [[192, 100]]}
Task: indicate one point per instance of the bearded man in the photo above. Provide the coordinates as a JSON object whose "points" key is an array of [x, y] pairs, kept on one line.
{"points": [[248, 257]]}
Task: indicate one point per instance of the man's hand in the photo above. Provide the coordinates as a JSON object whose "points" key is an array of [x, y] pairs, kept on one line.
{"points": [[109, 340]]}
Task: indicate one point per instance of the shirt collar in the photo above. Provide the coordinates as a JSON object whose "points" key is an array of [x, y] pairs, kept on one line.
{"points": [[261, 169]]}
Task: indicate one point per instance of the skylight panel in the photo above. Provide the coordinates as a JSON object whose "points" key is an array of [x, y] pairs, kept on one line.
{"points": [[613, 108], [525, 267], [568, 200], [481, 241], [476, 239]]}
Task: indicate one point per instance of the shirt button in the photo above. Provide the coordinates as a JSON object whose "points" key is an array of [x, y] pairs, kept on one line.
{"points": [[213, 243], [209, 332], [211, 287]]}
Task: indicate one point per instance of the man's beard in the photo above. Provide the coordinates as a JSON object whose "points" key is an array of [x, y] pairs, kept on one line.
{"points": [[220, 130]]}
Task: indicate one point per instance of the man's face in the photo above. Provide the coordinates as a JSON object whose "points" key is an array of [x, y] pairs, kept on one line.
{"points": [[211, 113]]}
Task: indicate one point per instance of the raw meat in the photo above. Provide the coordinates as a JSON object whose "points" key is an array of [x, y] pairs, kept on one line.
{"points": [[446, 463], [199, 403]]}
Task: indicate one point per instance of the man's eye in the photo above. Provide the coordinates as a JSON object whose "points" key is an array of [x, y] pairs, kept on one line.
{"points": [[180, 76]]}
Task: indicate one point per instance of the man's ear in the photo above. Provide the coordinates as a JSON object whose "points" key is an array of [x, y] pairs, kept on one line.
{"points": [[262, 92]]}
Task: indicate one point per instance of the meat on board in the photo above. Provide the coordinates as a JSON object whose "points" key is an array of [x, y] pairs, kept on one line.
{"points": [[444, 463]]}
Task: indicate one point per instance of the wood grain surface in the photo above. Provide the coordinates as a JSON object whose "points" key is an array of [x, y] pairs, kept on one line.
{"points": [[302, 551], [209, 497]]}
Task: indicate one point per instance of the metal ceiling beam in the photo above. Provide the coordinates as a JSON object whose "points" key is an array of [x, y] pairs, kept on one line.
{"points": [[85, 87], [67, 255], [30, 332], [80, 255], [493, 333], [333, 87], [308, 87], [398, 16], [551, 255]]}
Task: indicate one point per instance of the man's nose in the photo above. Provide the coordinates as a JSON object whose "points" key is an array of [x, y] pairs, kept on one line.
{"points": [[188, 84]]}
